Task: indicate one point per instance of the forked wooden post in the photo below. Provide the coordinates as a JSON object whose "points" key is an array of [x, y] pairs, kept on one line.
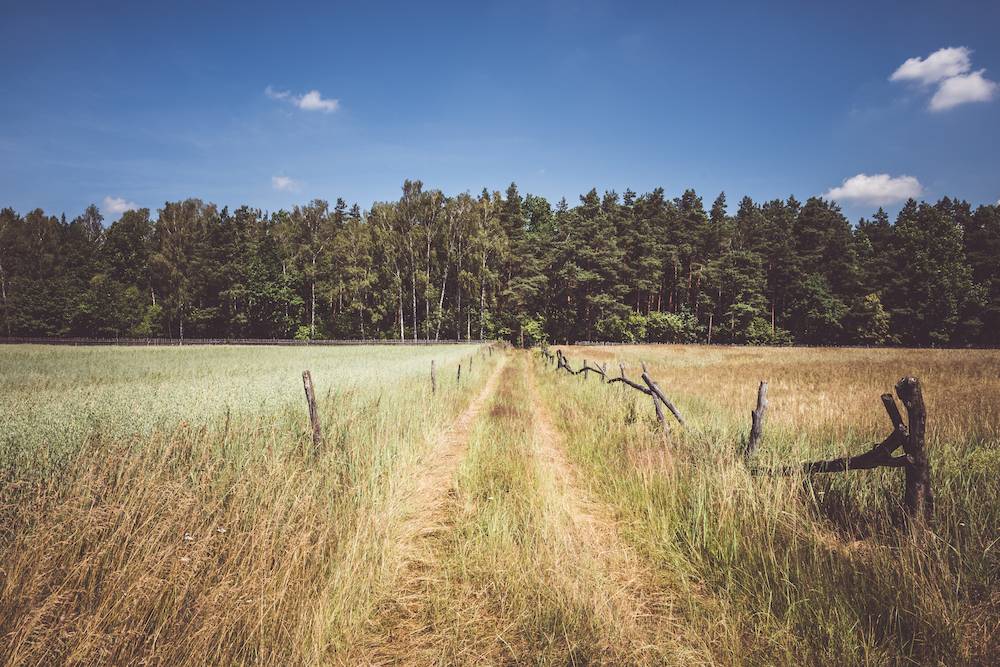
{"points": [[917, 497], [757, 420], [434, 384], [317, 432]]}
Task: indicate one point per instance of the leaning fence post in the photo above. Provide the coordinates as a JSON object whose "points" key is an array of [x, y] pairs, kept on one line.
{"points": [[657, 393], [317, 432], [918, 498], [757, 420], [433, 379]]}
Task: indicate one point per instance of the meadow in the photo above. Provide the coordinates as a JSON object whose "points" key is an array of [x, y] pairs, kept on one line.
{"points": [[165, 506]]}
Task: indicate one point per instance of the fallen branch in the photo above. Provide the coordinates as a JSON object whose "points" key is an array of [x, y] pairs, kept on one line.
{"points": [[624, 380], [879, 456]]}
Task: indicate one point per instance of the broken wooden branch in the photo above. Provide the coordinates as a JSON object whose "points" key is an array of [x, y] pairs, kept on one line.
{"points": [[879, 456], [624, 380]]}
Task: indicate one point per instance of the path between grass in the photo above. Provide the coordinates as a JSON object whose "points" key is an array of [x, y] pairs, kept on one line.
{"points": [[637, 604], [397, 621]]}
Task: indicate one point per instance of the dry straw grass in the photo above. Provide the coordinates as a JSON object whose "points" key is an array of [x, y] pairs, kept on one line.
{"points": [[816, 570], [163, 507], [219, 540]]}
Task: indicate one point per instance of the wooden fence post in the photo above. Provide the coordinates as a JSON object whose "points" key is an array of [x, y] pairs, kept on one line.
{"points": [[918, 498], [458, 378], [757, 420], [433, 379], [657, 393], [317, 432]]}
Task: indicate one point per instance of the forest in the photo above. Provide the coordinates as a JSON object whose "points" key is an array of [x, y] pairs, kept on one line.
{"points": [[623, 268]]}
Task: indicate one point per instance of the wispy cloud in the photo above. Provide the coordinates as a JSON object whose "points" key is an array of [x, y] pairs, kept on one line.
{"points": [[277, 94], [284, 184], [949, 68], [311, 101], [876, 189], [117, 205]]}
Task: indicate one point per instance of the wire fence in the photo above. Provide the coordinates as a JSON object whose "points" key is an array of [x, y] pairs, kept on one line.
{"points": [[224, 341]]}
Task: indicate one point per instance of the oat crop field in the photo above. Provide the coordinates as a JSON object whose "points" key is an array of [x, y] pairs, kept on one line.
{"points": [[169, 506]]}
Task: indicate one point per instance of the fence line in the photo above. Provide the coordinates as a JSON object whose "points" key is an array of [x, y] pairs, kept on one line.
{"points": [[918, 498], [224, 341]]}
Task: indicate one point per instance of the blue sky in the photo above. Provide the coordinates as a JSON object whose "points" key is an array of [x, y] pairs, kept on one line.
{"points": [[139, 103]]}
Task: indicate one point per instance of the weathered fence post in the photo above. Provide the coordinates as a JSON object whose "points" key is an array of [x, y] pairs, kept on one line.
{"points": [[757, 420], [458, 378], [433, 379], [317, 432], [657, 393], [918, 498]]}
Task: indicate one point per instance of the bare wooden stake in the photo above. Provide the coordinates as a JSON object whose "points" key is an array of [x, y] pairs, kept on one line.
{"points": [[757, 420], [659, 415], [918, 499], [458, 378], [317, 432], [433, 379]]}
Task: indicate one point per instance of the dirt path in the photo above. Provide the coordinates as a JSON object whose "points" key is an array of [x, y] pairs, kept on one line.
{"points": [[636, 601], [399, 627]]}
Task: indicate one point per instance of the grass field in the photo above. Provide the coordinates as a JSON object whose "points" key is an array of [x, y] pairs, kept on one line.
{"points": [[164, 506]]}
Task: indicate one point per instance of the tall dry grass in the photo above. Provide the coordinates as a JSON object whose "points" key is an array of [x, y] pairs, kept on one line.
{"points": [[516, 572], [219, 539], [806, 571]]}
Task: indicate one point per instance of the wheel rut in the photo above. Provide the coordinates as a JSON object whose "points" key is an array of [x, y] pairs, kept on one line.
{"points": [[399, 627], [636, 602]]}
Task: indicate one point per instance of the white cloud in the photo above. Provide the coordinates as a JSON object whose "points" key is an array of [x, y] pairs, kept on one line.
{"points": [[284, 184], [950, 69], [311, 101], [961, 89], [877, 189], [117, 205], [940, 65]]}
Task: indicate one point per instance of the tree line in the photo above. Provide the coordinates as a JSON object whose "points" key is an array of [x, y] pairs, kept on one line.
{"points": [[626, 267]]}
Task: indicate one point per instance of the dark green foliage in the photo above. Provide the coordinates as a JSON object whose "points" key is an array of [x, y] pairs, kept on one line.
{"points": [[630, 268]]}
